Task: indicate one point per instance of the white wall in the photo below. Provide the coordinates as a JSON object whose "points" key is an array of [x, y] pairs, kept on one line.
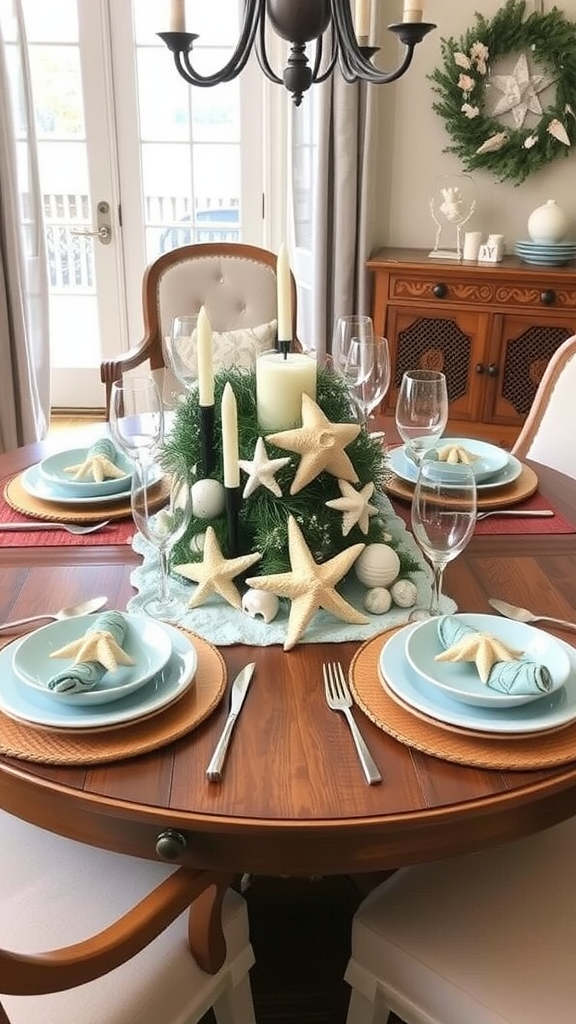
{"points": [[412, 138]]}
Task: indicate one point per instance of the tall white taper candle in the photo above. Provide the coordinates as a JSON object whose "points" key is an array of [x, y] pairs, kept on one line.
{"points": [[177, 16], [283, 285], [230, 437], [205, 365]]}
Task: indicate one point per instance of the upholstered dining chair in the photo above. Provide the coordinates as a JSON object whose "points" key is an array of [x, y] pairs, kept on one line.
{"points": [[481, 939], [550, 426], [122, 930], [235, 282]]}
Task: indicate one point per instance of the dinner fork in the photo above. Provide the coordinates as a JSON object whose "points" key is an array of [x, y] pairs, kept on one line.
{"points": [[522, 513], [76, 530], [339, 698]]}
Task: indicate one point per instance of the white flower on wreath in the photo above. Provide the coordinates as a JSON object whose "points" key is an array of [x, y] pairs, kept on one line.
{"points": [[462, 61], [469, 111], [493, 144], [479, 54], [466, 83], [530, 141]]}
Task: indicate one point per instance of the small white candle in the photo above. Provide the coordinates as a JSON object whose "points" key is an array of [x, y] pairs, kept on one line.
{"points": [[177, 16], [205, 365], [362, 19], [230, 437], [413, 10], [283, 285], [280, 383]]}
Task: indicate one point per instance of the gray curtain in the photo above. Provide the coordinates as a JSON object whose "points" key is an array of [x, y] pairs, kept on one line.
{"points": [[24, 331], [343, 202]]}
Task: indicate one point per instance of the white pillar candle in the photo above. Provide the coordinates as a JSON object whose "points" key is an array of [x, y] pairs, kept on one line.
{"points": [[229, 412], [283, 285], [205, 365], [280, 384], [362, 19], [177, 16], [413, 10]]}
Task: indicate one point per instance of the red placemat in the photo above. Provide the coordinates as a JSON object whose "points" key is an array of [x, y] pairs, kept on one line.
{"points": [[495, 524], [119, 531]]}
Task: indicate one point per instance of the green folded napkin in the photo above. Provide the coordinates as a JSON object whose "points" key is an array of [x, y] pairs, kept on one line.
{"points": [[103, 639], [515, 676]]}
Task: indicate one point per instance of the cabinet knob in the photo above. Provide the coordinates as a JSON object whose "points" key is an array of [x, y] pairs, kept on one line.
{"points": [[548, 298], [492, 370], [480, 368], [440, 291], [170, 844]]}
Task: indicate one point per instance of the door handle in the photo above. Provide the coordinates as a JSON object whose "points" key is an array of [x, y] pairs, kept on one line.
{"points": [[104, 227]]}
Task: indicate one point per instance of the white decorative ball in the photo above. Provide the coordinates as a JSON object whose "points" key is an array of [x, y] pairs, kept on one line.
{"points": [[404, 593], [260, 604], [378, 600], [197, 543], [208, 499], [377, 566]]}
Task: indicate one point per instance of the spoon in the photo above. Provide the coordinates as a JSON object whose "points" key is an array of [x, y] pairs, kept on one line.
{"points": [[85, 608], [523, 615], [76, 530]]}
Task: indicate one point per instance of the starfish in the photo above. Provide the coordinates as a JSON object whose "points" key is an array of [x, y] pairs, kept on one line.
{"points": [[482, 648], [215, 573], [321, 445], [519, 91], [454, 453], [96, 467], [98, 645], [354, 505], [310, 586], [261, 470]]}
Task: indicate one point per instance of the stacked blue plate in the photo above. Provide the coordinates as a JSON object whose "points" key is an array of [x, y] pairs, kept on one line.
{"points": [[552, 254]]}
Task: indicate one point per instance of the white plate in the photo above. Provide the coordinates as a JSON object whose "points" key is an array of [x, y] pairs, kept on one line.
{"points": [[407, 470], [460, 680], [146, 641], [549, 712], [26, 705], [52, 471]]}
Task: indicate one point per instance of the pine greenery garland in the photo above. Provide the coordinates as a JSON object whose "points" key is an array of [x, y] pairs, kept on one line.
{"points": [[550, 40], [263, 518]]}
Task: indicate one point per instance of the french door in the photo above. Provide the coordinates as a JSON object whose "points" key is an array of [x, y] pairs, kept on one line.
{"points": [[133, 162]]}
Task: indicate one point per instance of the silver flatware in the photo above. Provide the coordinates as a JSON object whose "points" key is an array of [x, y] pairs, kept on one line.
{"points": [[532, 513], [512, 611], [339, 698], [85, 608], [69, 528], [237, 695]]}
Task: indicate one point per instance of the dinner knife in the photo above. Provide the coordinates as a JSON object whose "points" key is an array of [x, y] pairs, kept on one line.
{"points": [[237, 695]]}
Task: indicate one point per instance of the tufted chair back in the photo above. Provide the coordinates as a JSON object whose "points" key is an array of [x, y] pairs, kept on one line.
{"points": [[236, 283]]}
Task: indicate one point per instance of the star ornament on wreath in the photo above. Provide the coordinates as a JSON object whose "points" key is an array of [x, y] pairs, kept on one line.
{"points": [[497, 122]]}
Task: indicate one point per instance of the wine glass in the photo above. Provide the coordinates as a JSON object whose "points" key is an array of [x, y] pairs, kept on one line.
{"points": [[444, 507], [374, 369], [161, 509], [421, 410], [136, 417], [180, 350], [349, 331]]}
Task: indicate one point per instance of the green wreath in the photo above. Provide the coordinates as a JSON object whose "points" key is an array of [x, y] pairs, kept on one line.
{"points": [[480, 139]]}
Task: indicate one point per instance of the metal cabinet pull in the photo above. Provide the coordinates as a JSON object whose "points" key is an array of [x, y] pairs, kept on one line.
{"points": [[440, 291], [170, 844]]}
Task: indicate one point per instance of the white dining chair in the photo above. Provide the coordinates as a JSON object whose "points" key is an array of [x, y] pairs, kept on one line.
{"points": [[548, 431], [58, 893], [481, 939]]}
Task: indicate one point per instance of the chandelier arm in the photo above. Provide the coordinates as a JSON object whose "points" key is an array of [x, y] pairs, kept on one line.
{"points": [[253, 12], [262, 56]]}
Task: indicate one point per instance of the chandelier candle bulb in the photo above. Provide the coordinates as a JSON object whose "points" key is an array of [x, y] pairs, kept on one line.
{"points": [[412, 10], [284, 300], [362, 19], [177, 16], [281, 380]]}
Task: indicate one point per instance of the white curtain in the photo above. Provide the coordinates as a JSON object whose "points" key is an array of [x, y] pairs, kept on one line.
{"points": [[24, 331], [343, 203]]}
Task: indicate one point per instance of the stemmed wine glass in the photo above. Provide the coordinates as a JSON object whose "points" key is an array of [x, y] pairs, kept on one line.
{"points": [[373, 358], [136, 417], [444, 507], [161, 509], [421, 410], [349, 333], [180, 350]]}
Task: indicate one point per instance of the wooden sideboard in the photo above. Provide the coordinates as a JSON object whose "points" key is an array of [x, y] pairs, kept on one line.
{"points": [[491, 327]]}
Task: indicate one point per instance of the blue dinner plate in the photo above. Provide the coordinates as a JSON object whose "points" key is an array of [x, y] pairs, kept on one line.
{"points": [[510, 470], [549, 712], [27, 705], [53, 472]]}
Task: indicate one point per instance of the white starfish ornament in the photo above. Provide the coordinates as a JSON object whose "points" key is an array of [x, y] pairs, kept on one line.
{"points": [[354, 506], [310, 586], [96, 467], [519, 91], [482, 648], [320, 444], [98, 645], [215, 573], [261, 470]]}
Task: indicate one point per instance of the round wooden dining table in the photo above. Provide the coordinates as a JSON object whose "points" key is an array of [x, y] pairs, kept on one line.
{"points": [[293, 799]]}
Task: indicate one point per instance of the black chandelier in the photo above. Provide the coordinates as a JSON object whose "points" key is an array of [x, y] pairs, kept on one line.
{"points": [[327, 22]]}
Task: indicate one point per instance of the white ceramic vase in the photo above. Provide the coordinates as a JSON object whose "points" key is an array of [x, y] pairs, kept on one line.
{"points": [[548, 223]]}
